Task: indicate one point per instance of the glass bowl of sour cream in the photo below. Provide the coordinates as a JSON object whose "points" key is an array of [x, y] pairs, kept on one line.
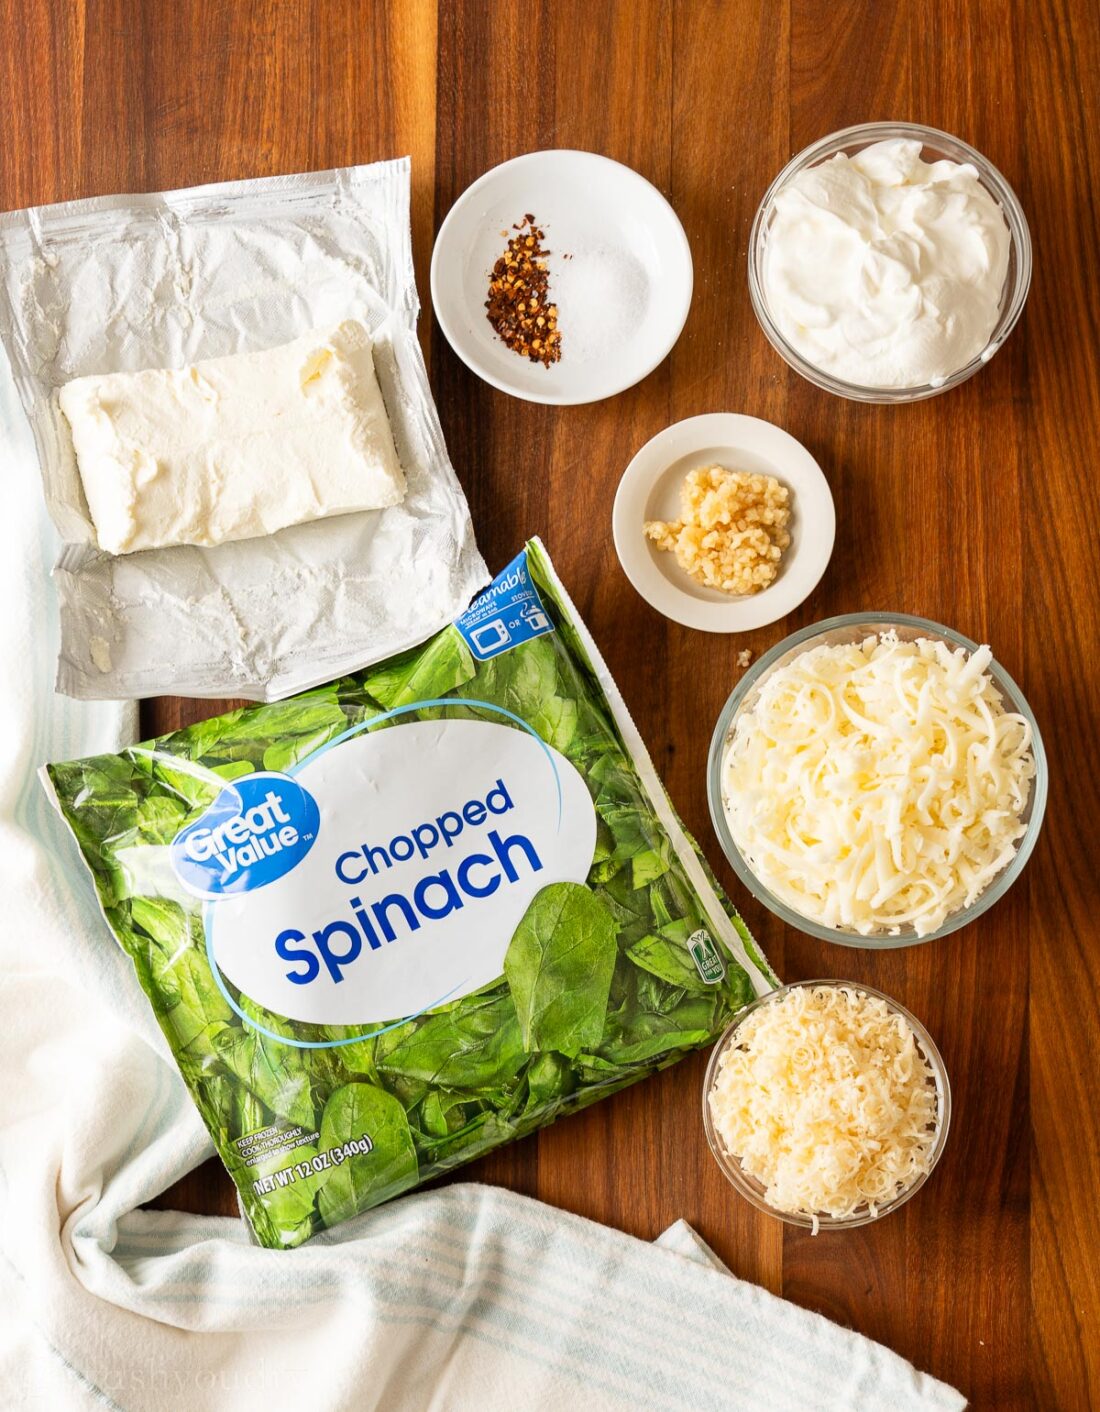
{"points": [[889, 262], [877, 780]]}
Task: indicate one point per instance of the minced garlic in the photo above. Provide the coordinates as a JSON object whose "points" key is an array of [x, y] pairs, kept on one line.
{"points": [[732, 531]]}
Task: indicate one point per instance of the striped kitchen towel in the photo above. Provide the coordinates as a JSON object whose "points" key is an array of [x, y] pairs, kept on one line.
{"points": [[467, 1298]]}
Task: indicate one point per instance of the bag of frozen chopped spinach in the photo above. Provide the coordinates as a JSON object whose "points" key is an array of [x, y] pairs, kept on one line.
{"points": [[392, 923]]}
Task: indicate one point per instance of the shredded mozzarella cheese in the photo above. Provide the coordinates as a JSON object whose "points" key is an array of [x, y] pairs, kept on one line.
{"points": [[826, 1098], [879, 784]]}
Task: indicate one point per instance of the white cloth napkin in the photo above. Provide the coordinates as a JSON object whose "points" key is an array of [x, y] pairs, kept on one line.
{"points": [[467, 1298]]}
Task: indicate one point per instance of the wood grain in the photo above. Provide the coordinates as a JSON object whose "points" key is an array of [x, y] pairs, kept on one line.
{"points": [[979, 508]]}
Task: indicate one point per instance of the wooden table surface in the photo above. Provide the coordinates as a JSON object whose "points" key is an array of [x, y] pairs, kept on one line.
{"points": [[978, 509]]}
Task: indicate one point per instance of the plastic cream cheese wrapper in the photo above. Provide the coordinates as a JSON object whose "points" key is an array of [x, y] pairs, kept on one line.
{"points": [[403, 919], [127, 283]]}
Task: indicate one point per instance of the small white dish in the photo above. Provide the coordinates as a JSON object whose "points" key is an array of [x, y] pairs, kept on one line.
{"points": [[650, 490], [618, 231]]}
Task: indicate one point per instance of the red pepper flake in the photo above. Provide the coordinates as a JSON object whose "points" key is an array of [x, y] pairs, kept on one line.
{"points": [[518, 306]]}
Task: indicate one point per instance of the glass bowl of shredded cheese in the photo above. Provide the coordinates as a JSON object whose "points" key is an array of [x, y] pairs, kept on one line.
{"points": [[826, 1104], [877, 780]]}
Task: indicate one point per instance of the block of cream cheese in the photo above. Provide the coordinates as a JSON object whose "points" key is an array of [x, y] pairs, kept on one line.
{"points": [[231, 448]]}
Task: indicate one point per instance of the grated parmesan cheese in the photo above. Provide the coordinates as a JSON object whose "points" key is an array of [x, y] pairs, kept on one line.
{"points": [[880, 784], [825, 1097]]}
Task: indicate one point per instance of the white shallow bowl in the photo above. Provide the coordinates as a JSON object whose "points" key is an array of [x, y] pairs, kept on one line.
{"points": [[650, 490], [598, 212]]}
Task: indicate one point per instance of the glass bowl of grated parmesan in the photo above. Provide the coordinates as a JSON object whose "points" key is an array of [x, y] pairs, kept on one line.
{"points": [[826, 1104], [877, 780]]}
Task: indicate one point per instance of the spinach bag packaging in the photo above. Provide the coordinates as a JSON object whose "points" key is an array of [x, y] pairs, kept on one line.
{"points": [[391, 923]]}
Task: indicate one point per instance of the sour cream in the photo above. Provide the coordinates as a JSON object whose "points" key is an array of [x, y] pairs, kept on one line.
{"points": [[884, 270]]}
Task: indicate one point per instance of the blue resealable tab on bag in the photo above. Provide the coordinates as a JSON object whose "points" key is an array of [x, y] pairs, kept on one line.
{"points": [[509, 612]]}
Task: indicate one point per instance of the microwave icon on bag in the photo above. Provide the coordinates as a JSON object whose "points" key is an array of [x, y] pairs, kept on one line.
{"points": [[490, 637]]}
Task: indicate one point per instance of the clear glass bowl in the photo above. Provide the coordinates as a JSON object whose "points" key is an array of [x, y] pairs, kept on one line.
{"points": [[853, 627], [753, 1190], [936, 145]]}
